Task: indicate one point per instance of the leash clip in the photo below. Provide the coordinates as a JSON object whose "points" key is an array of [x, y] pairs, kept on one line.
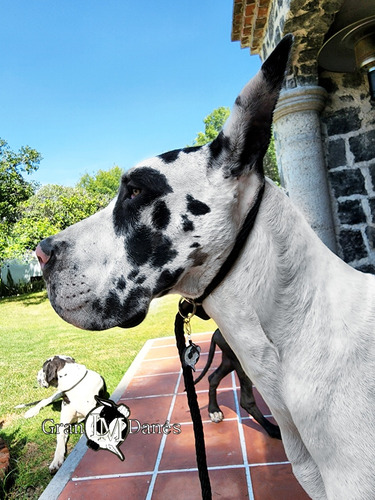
{"points": [[187, 309]]}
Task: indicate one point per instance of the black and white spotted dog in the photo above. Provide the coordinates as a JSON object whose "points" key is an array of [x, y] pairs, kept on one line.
{"points": [[77, 387], [300, 320]]}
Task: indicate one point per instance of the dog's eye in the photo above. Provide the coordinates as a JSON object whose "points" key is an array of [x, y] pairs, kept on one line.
{"points": [[135, 192]]}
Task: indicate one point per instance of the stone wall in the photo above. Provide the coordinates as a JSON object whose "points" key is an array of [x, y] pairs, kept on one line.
{"points": [[348, 126], [347, 122], [309, 21]]}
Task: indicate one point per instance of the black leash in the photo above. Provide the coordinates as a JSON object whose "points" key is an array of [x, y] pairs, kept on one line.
{"points": [[189, 354]]}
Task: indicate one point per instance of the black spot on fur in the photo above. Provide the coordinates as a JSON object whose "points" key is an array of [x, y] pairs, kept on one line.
{"points": [[195, 245], [163, 253], [218, 145], [191, 149], [161, 215], [112, 305], [170, 156], [133, 274], [139, 245], [197, 207], [145, 245], [121, 283], [167, 280], [198, 257], [97, 306], [238, 101], [151, 180], [187, 225], [141, 279]]}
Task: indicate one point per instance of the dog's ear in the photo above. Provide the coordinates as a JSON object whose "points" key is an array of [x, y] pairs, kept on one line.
{"points": [[51, 373], [244, 140]]}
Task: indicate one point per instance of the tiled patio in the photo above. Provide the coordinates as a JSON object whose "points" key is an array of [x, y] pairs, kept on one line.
{"points": [[243, 461]]}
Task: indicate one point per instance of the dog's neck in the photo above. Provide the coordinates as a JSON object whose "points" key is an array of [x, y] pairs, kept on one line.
{"points": [[283, 269], [70, 376]]}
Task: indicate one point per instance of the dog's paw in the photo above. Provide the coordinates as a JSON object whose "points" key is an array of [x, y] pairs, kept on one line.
{"points": [[55, 465], [216, 416], [31, 413]]}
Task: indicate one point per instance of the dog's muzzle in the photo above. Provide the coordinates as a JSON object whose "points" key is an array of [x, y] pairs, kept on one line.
{"points": [[42, 379]]}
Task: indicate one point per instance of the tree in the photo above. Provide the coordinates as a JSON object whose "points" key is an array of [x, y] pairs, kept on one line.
{"points": [[214, 122], [14, 189], [270, 162], [103, 183]]}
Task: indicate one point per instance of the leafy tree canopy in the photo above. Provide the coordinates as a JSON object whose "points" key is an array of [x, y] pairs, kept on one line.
{"points": [[14, 189], [103, 183], [213, 123]]}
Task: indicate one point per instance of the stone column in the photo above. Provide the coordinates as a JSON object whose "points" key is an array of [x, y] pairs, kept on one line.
{"points": [[300, 157]]}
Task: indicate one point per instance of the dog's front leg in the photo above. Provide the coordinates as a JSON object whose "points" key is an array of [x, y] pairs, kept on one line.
{"points": [[261, 362], [67, 416], [303, 465], [45, 402]]}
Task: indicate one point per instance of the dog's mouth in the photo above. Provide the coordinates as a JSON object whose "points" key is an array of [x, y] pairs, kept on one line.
{"points": [[76, 303]]}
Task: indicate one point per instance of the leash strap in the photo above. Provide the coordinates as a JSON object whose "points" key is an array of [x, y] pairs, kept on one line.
{"points": [[235, 252], [200, 448], [187, 309]]}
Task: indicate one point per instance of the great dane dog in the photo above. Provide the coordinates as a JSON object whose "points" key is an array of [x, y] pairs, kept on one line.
{"points": [[299, 319], [77, 386], [229, 362]]}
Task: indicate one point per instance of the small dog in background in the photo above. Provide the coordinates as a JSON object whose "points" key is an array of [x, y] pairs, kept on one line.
{"points": [[77, 386], [229, 362]]}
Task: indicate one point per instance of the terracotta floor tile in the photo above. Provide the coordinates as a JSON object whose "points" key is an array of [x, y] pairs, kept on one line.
{"points": [[227, 484], [163, 341], [103, 489], [202, 337], [149, 409], [140, 453], [260, 447], [162, 352], [225, 398], [148, 386], [276, 482], [222, 446], [150, 367]]}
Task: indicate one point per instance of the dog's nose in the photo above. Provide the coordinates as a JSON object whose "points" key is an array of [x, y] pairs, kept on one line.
{"points": [[43, 252]]}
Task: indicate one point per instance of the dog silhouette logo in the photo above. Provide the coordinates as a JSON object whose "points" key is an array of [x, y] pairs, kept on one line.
{"points": [[107, 426]]}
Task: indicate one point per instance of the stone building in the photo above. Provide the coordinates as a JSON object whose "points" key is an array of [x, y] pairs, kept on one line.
{"points": [[324, 123]]}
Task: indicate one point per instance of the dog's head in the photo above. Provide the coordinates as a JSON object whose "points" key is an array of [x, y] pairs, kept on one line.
{"points": [[173, 222], [48, 375]]}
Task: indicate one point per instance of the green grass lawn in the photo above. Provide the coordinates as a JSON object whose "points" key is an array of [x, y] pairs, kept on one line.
{"points": [[31, 332]]}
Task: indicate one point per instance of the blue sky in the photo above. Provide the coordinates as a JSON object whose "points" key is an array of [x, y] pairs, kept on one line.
{"points": [[91, 84]]}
